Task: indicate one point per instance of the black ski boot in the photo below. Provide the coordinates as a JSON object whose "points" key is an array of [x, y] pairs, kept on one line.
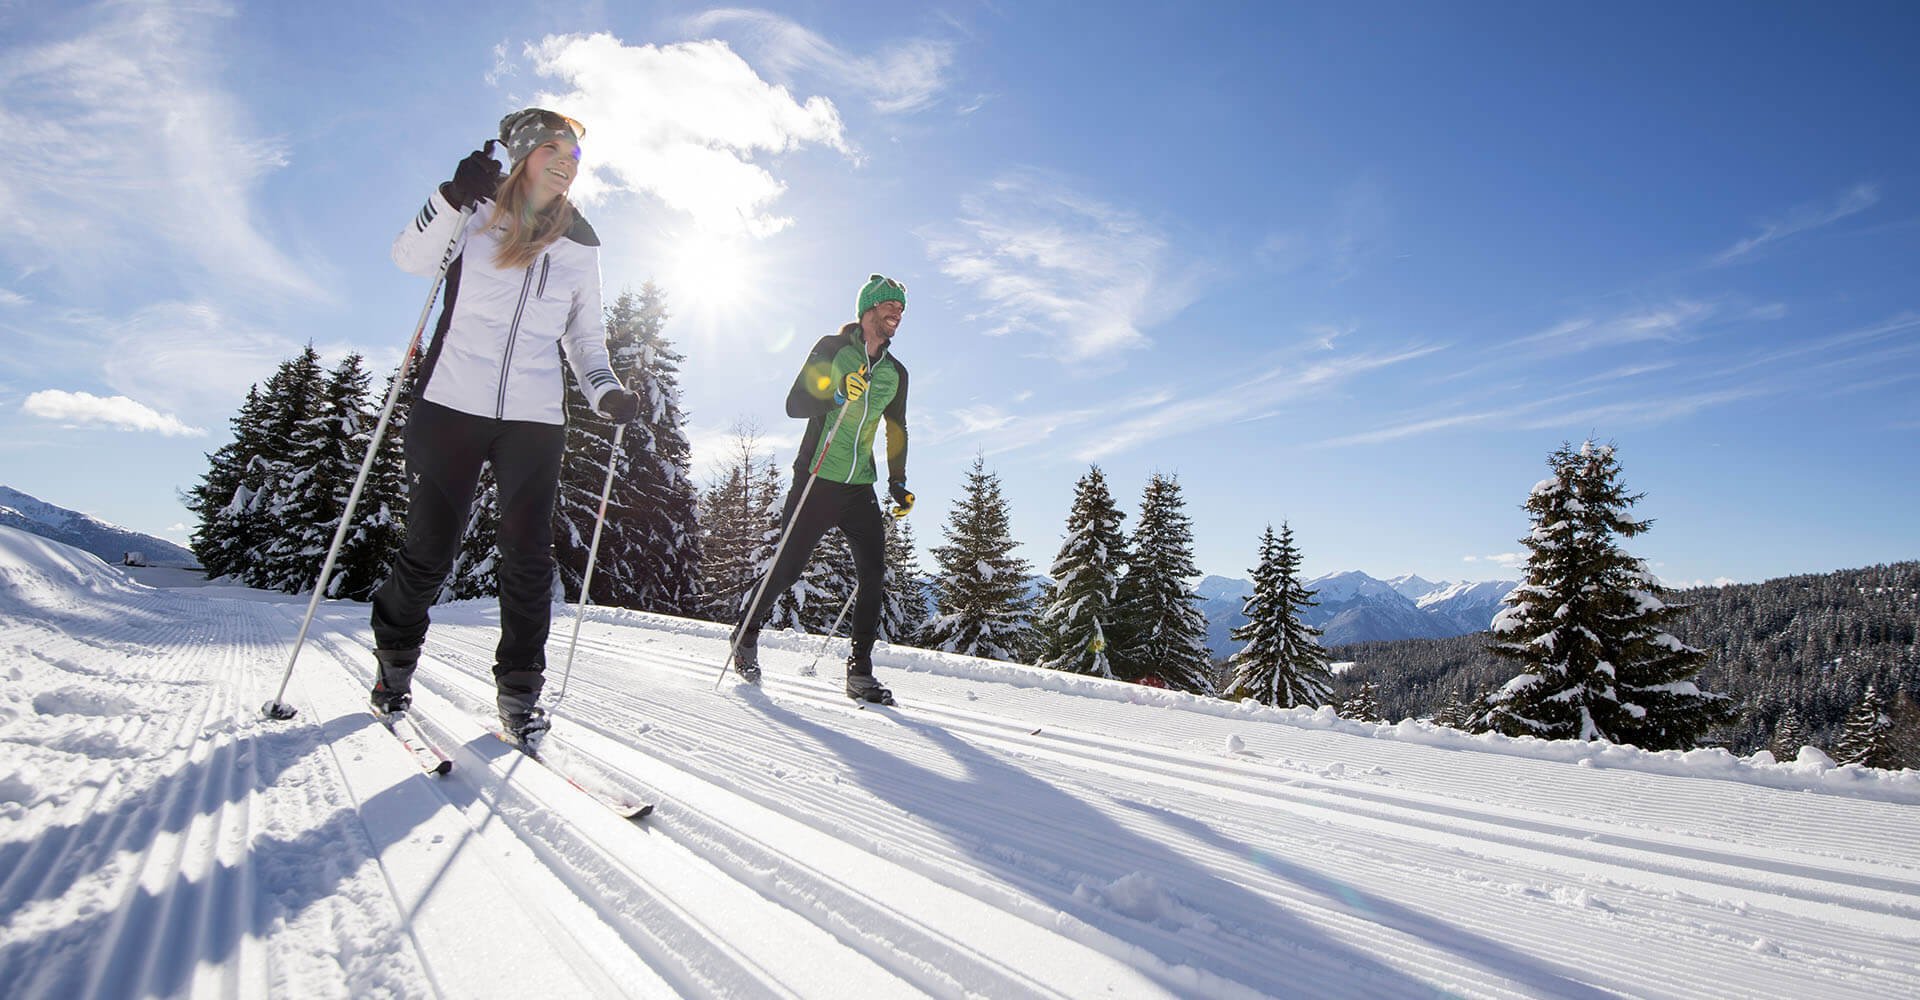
{"points": [[526, 730], [522, 720], [393, 681], [860, 683], [746, 656]]}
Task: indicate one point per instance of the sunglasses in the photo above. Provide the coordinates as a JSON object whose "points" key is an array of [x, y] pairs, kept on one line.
{"points": [[888, 282]]}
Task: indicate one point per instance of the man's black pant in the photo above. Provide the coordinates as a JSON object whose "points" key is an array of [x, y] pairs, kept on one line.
{"points": [[445, 450], [854, 510]]}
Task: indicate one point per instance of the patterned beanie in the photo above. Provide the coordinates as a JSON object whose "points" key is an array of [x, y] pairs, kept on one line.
{"points": [[878, 289], [526, 130]]}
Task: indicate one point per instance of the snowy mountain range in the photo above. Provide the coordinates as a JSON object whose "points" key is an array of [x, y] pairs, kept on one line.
{"points": [[1355, 607], [108, 541]]}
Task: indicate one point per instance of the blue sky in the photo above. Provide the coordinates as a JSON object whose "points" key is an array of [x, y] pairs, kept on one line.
{"points": [[1356, 267]]}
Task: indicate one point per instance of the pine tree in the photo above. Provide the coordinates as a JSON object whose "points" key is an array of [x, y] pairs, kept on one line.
{"points": [[1789, 735], [650, 543], [980, 589], [1080, 608], [1589, 625], [733, 518], [1453, 713], [814, 602], [476, 570], [322, 463], [1163, 635], [379, 520], [221, 500], [1867, 739], [1364, 705], [903, 617], [1282, 663], [293, 396]]}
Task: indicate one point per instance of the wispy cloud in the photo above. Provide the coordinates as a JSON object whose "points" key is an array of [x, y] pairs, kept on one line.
{"points": [[82, 409], [1086, 278], [1504, 560], [908, 75], [1675, 321], [1802, 218], [1250, 397], [682, 123], [12, 298], [124, 154], [1643, 412]]}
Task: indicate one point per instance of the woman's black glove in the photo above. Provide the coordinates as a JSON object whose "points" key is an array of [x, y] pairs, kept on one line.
{"points": [[620, 405], [474, 180]]}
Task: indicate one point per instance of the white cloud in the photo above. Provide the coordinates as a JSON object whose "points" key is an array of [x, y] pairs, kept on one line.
{"points": [[1505, 560], [1801, 218], [1082, 276], [194, 358], [1249, 398], [81, 409], [119, 138], [1675, 321], [682, 123], [13, 298], [908, 75], [503, 66]]}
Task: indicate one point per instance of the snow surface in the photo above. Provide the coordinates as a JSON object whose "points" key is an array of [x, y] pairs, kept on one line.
{"points": [[1008, 832]]}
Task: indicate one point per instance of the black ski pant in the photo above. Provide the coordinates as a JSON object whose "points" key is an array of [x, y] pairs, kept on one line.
{"points": [[855, 511], [445, 451]]}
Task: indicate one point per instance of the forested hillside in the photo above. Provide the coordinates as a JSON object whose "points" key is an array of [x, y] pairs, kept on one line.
{"points": [[1813, 643]]}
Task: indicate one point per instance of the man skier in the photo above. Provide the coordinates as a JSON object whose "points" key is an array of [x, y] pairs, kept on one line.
{"points": [[850, 384]]}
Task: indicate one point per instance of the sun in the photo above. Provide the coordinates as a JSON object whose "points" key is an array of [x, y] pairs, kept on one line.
{"points": [[713, 278]]}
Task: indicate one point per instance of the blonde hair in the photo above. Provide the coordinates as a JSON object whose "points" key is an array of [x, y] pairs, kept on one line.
{"points": [[527, 232]]}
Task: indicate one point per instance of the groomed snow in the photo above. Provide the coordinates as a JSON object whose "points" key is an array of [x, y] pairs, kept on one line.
{"points": [[1007, 832]]}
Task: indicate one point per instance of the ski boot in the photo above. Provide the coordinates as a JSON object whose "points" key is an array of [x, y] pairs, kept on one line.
{"points": [[526, 730], [860, 683], [746, 656], [862, 687], [393, 682]]}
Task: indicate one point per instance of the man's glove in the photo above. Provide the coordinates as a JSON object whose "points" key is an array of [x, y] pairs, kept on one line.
{"points": [[620, 405], [474, 180], [856, 386], [902, 500]]}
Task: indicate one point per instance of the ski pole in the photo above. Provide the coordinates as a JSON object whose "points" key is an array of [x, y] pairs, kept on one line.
{"points": [[278, 709], [831, 634], [733, 646], [586, 580]]}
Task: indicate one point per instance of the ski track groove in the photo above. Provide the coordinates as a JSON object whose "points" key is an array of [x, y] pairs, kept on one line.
{"points": [[686, 950], [1187, 956], [1520, 880], [1682, 972]]}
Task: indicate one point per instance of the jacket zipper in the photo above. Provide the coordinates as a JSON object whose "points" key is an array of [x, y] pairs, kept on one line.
{"points": [[866, 408], [506, 362], [546, 261]]}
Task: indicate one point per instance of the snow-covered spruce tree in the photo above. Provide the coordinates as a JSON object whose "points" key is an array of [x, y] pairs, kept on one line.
{"points": [[324, 460], [650, 544], [1453, 713], [1589, 626], [1282, 663], [733, 517], [814, 601], [1789, 735], [1080, 610], [980, 589], [221, 500], [1867, 738], [1163, 636], [293, 396], [1363, 705], [903, 615], [380, 519], [475, 570]]}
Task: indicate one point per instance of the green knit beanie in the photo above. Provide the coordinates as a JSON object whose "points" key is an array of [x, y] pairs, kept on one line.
{"points": [[879, 288]]}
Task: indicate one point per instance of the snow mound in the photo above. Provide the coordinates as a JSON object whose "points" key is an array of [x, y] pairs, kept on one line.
{"points": [[35, 571]]}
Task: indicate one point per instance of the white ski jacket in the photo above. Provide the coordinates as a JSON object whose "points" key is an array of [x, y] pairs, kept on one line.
{"points": [[496, 351]]}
